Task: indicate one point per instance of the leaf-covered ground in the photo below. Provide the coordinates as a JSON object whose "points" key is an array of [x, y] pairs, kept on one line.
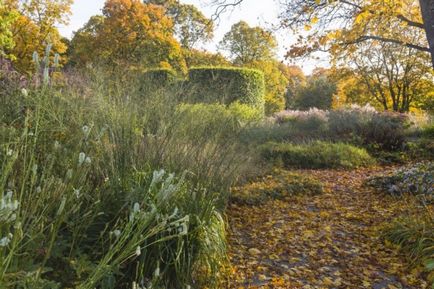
{"points": [[322, 241]]}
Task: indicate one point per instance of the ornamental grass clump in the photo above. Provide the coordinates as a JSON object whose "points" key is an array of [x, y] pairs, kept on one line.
{"points": [[414, 236], [88, 201]]}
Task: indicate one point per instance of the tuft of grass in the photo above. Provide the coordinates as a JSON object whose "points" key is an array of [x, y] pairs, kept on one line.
{"points": [[414, 236], [105, 185], [428, 131], [317, 155]]}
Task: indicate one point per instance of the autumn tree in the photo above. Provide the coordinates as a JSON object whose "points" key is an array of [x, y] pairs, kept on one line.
{"points": [[130, 33], [255, 47], [316, 92], [7, 18], [390, 73], [246, 44], [428, 104], [382, 40], [296, 79], [84, 47], [427, 10], [338, 22], [395, 77], [333, 24], [35, 28], [191, 26], [351, 90], [195, 57]]}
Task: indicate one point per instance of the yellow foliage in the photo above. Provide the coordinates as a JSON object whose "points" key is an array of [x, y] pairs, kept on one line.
{"points": [[35, 28], [130, 33]]}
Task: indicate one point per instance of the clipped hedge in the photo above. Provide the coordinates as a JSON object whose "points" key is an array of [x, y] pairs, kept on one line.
{"points": [[227, 85], [158, 78]]}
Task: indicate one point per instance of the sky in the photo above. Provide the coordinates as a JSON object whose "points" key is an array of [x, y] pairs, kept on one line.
{"points": [[255, 12]]}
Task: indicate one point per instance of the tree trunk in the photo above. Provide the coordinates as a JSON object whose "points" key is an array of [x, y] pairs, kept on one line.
{"points": [[427, 8]]}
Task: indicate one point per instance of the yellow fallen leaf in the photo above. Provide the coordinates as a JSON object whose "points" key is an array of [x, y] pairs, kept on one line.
{"points": [[254, 251], [327, 281], [308, 234]]}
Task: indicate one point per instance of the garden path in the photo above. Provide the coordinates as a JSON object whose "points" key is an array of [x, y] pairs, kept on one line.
{"points": [[325, 241]]}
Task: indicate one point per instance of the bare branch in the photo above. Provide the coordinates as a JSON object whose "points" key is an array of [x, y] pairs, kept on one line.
{"points": [[389, 40], [351, 4], [222, 6], [410, 22]]}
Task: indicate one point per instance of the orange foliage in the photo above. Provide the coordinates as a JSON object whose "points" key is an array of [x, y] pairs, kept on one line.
{"points": [[130, 33]]}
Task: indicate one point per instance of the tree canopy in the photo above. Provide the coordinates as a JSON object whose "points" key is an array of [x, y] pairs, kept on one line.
{"points": [[377, 48], [246, 44], [34, 27], [7, 17], [190, 24], [331, 25], [255, 47], [129, 33], [341, 22]]}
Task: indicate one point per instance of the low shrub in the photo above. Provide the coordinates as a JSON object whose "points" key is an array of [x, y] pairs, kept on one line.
{"points": [[421, 141], [379, 130], [354, 124], [290, 126], [350, 123], [268, 132], [391, 157], [414, 236], [386, 130], [420, 149], [280, 185], [310, 124], [227, 85], [317, 155], [415, 179], [313, 114]]}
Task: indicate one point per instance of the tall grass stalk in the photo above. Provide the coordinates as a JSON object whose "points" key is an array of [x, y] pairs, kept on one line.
{"points": [[85, 202]]}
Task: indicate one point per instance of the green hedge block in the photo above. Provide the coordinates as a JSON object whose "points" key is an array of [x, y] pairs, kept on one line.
{"points": [[158, 78], [227, 85]]}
